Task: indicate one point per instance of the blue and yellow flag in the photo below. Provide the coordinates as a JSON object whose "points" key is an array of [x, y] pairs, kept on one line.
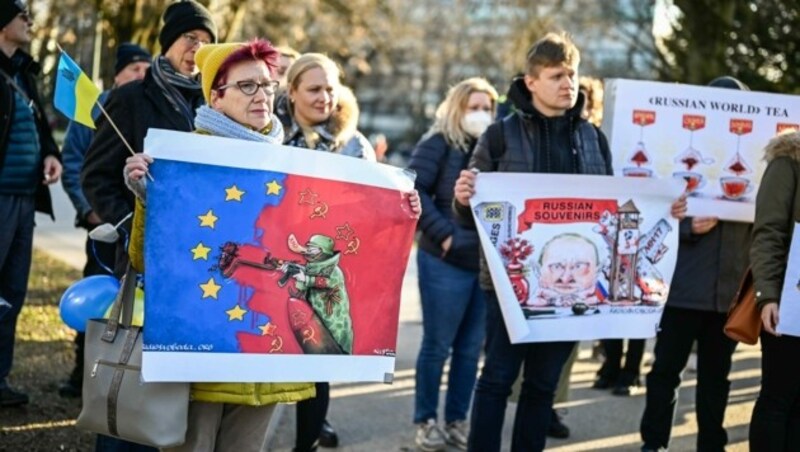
{"points": [[75, 93]]}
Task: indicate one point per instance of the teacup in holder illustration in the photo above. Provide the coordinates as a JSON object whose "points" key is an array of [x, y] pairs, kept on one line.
{"points": [[638, 156], [637, 172], [734, 187], [693, 180]]}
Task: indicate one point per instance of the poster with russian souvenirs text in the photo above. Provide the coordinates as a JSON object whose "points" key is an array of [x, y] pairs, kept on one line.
{"points": [[789, 312], [711, 139], [265, 263], [577, 257]]}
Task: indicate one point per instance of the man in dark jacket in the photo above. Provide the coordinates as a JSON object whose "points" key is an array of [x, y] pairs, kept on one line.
{"points": [[131, 64], [165, 99], [29, 162], [712, 258], [544, 134]]}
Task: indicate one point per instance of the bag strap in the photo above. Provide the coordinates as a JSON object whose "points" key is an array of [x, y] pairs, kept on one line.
{"points": [[497, 142], [122, 307], [116, 380], [13, 84]]}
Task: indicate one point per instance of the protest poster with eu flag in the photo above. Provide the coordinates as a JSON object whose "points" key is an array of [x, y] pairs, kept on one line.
{"points": [[269, 263]]}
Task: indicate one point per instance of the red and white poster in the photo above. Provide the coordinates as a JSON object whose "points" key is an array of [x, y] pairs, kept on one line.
{"points": [[578, 257], [711, 139]]}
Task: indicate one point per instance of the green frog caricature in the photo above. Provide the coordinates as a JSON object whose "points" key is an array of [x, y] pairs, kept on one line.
{"points": [[321, 281]]}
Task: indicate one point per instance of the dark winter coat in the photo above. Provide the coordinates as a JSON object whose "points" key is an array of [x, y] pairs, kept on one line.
{"points": [[777, 211], [135, 107], [438, 165], [531, 145], [710, 266], [22, 63]]}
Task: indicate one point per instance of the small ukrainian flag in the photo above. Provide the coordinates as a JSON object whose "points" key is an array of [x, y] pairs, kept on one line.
{"points": [[75, 93]]}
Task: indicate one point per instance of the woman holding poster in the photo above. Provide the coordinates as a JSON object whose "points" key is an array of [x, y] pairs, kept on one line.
{"points": [[775, 425], [453, 307], [239, 86], [321, 114]]}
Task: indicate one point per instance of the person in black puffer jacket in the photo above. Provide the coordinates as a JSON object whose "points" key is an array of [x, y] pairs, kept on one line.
{"points": [[453, 307]]}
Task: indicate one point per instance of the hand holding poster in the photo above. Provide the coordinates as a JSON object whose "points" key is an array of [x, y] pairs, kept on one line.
{"points": [[710, 138], [789, 312], [577, 257], [260, 262]]}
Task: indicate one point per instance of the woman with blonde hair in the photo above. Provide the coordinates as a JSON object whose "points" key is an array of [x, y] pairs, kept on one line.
{"points": [[319, 113], [322, 113], [453, 311]]}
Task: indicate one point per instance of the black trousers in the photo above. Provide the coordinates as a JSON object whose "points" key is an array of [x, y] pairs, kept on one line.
{"points": [[679, 329], [311, 414], [612, 368], [775, 425]]}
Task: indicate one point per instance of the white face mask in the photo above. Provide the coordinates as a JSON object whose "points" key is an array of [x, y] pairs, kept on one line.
{"points": [[476, 122]]}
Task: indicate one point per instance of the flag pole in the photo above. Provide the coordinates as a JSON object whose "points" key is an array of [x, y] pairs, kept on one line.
{"points": [[113, 124]]}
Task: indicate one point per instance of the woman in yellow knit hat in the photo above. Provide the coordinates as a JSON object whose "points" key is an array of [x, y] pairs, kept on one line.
{"points": [[238, 83]]}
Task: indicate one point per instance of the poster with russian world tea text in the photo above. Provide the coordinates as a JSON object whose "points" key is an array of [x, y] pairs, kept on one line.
{"points": [[711, 139]]}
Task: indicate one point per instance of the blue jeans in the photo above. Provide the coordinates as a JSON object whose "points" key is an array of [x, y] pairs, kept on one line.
{"points": [[16, 246], [543, 362], [453, 317]]}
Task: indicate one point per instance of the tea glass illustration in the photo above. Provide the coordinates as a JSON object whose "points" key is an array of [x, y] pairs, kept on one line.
{"points": [[693, 180], [735, 187], [637, 172]]}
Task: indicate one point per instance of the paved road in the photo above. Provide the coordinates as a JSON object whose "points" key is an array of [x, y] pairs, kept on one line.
{"points": [[377, 417]]}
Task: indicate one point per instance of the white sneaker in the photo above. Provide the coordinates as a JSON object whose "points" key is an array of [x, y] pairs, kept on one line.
{"points": [[430, 437], [457, 434]]}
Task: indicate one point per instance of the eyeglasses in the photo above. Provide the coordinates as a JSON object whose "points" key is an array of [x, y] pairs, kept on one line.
{"points": [[249, 87], [194, 40]]}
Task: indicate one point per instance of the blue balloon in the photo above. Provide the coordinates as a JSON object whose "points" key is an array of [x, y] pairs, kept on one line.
{"points": [[87, 299]]}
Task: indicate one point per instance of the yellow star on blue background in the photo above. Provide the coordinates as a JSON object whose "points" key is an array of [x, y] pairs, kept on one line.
{"points": [[208, 220], [233, 193], [210, 288], [200, 252], [274, 188]]}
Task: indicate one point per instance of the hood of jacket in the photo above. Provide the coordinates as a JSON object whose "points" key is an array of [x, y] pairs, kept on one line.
{"points": [[784, 145], [521, 98], [19, 62], [341, 126]]}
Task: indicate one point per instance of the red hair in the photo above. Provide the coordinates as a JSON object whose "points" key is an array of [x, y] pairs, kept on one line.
{"points": [[255, 50]]}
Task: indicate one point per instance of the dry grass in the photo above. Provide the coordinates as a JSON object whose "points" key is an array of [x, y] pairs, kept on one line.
{"points": [[43, 358]]}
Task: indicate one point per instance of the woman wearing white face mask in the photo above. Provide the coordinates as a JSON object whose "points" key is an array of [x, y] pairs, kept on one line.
{"points": [[452, 303]]}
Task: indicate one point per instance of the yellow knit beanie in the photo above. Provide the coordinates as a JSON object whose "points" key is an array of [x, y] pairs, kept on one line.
{"points": [[208, 59]]}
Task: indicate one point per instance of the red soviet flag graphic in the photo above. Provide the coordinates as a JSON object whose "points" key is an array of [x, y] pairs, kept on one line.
{"points": [[340, 216]]}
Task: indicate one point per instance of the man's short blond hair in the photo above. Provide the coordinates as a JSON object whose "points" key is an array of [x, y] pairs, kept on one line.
{"points": [[554, 49]]}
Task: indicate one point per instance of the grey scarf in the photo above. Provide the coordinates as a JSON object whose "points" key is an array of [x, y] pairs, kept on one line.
{"points": [[221, 125], [170, 80]]}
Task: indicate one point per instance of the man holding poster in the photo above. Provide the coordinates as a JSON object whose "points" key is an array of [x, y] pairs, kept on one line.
{"points": [[545, 134], [538, 137]]}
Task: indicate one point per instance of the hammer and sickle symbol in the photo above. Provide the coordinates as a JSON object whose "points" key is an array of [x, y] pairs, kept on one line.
{"points": [[320, 211], [353, 245]]}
